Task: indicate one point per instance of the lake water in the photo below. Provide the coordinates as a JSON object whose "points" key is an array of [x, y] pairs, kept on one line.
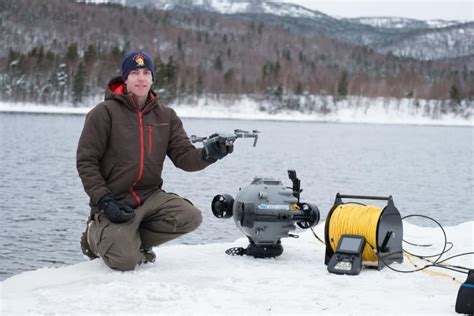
{"points": [[427, 169]]}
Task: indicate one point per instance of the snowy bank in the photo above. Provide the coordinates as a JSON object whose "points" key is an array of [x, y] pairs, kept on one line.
{"points": [[201, 279], [353, 109], [311, 109]]}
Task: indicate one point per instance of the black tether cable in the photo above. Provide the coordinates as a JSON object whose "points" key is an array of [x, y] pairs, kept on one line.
{"points": [[436, 263]]}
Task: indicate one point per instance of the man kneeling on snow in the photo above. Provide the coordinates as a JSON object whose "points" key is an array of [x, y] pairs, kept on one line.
{"points": [[120, 158]]}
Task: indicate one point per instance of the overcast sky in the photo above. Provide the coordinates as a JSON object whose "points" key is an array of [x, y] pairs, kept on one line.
{"points": [[419, 9]]}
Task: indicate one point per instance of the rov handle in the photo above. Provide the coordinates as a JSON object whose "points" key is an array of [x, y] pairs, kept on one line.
{"points": [[296, 184]]}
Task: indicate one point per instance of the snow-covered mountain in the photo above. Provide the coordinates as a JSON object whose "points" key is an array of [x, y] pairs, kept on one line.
{"points": [[224, 6], [418, 39], [435, 43], [405, 23]]}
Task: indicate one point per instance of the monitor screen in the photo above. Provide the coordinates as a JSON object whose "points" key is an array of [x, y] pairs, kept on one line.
{"points": [[350, 244]]}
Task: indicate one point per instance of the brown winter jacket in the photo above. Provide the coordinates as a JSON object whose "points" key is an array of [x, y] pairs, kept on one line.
{"points": [[121, 149]]}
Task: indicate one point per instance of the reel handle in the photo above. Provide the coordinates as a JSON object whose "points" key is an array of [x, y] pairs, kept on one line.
{"points": [[339, 198]]}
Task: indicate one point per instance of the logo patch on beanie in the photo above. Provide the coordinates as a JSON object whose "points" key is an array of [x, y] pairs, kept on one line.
{"points": [[140, 60]]}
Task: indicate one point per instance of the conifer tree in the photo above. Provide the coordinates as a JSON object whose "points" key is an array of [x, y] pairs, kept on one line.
{"points": [[299, 88], [200, 81], [166, 79], [62, 81], [342, 85], [71, 53], [78, 85], [179, 45], [218, 65], [229, 76], [90, 55], [455, 94]]}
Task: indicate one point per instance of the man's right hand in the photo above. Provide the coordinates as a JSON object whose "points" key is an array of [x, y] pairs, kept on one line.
{"points": [[216, 149], [115, 211]]}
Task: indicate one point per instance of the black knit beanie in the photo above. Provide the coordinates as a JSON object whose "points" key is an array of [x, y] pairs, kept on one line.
{"points": [[134, 60]]}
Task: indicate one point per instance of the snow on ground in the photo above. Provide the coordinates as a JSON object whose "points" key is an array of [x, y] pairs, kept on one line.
{"points": [[202, 279], [41, 109], [352, 110]]}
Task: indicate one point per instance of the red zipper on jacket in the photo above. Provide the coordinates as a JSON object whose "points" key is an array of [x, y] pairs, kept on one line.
{"points": [[142, 149], [150, 139]]}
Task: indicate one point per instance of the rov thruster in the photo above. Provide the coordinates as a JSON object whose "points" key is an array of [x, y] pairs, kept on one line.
{"points": [[266, 211]]}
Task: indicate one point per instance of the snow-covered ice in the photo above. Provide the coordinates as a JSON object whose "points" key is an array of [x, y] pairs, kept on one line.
{"points": [[202, 279]]}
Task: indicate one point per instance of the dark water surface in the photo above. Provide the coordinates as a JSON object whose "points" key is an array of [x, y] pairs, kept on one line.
{"points": [[427, 170]]}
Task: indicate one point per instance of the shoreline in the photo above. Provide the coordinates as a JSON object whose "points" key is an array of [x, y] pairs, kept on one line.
{"points": [[224, 113]]}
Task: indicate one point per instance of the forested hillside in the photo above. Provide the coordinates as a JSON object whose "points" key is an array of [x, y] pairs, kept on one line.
{"points": [[58, 50]]}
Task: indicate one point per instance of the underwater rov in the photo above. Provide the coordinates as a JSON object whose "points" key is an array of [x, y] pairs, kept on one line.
{"points": [[266, 211], [357, 234]]}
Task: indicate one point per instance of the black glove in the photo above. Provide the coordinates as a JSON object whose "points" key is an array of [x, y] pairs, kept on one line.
{"points": [[115, 211], [216, 148]]}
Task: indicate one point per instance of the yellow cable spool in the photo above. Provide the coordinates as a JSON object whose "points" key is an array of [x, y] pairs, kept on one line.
{"points": [[356, 219], [380, 226]]}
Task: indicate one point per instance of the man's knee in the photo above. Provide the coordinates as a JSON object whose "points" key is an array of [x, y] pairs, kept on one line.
{"points": [[195, 219], [124, 262], [118, 246], [189, 217]]}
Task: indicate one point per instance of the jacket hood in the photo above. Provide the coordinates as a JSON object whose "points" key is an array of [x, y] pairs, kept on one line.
{"points": [[116, 90]]}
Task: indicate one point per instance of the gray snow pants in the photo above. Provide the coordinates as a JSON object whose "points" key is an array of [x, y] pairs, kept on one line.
{"points": [[163, 217]]}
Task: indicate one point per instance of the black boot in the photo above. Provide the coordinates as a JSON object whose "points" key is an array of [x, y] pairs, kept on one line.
{"points": [[86, 249], [149, 255]]}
